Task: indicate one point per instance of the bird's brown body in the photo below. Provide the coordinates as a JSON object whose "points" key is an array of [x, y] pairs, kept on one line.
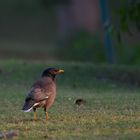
{"points": [[45, 87], [42, 92]]}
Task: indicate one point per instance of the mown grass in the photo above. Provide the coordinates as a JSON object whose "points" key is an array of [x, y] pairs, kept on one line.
{"points": [[111, 111]]}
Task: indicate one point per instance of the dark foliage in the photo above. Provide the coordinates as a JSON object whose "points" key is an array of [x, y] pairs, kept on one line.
{"points": [[129, 17]]}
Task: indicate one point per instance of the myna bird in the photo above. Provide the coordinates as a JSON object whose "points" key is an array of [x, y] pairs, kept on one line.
{"points": [[42, 92]]}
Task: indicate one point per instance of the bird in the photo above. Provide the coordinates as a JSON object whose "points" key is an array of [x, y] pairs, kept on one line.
{"points": [[42, 93]]}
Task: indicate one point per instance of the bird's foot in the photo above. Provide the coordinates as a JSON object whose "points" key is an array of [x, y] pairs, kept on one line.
{"points": [[46, 116], [35, 116]]}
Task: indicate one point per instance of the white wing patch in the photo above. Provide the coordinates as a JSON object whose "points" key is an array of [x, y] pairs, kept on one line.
{"points": [[28, 109], [46, 97]]}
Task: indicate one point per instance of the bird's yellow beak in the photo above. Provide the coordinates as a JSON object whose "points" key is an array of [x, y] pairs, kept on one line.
{"points": [[60, 71]]}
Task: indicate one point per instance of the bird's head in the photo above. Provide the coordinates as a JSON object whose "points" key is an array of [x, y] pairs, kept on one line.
{"points": [[52, 72]]}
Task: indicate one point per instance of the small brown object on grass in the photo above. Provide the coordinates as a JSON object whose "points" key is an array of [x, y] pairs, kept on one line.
{"points": [[80, 101]]}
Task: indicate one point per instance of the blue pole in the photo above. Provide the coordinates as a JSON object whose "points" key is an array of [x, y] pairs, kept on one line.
{"points": [[107, 26]]}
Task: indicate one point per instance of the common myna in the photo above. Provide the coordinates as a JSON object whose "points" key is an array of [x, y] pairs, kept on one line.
{"points": [[42, 92]]}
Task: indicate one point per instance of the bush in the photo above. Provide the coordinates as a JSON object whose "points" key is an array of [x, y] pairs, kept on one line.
{"points": [[82, 46]]}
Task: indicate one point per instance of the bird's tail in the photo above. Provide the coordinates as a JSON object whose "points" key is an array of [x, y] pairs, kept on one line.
{"points": [[29, 104]]}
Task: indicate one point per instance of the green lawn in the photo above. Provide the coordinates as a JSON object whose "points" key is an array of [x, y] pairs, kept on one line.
{"points": [[111, 111]]}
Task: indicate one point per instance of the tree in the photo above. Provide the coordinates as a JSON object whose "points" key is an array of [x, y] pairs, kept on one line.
{"points": [[129, 16]]}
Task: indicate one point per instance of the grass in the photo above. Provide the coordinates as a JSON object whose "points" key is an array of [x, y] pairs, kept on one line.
{"points": [[111, 111]]}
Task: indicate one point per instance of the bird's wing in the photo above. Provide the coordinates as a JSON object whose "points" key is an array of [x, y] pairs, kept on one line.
{"points": [[41, 89], [37, 93]]}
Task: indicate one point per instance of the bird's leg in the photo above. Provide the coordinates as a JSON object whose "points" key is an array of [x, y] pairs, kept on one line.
{"points": [[35, 115], [46, 116], [46, 113]]}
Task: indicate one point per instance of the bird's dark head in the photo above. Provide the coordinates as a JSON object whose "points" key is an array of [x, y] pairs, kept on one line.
{"points": [[52, 72]]}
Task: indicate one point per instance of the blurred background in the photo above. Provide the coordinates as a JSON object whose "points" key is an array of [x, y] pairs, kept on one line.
{"points": [[97, 31]]}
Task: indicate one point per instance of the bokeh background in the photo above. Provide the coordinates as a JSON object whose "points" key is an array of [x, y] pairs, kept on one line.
{"points": [[69, 30], [83, 37]]}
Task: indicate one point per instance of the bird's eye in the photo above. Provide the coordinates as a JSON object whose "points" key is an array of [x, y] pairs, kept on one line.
{"points": [[55, 70]]}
